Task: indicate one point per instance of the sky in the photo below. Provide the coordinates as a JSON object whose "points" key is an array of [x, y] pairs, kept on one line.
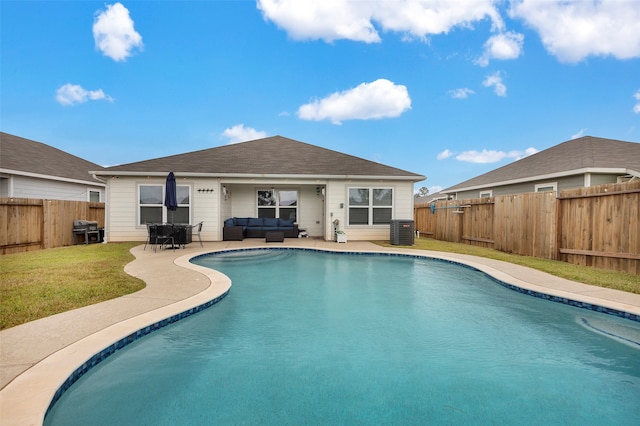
{"points": [[449, 89]]}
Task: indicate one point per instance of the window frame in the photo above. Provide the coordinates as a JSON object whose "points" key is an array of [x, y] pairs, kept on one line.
{"points": [[165, 213], [277, 207], [93, 191], [540, 187], [371, 206]]}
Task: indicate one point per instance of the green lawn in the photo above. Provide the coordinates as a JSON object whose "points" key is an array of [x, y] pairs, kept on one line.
{"points": [[41, 283], [584, 274]]}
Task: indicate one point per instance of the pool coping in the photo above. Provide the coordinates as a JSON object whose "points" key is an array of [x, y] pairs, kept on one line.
{"points": [[26, 399]]}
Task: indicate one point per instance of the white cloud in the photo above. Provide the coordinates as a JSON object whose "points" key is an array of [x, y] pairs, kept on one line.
{"points": [[378, 99], [445, 154], [71, 94], [495, 81], [492, 156], [325, 20], [114, 34], [435, 189], [332, 20], [636, 107], [461, 93], [239, 133], [502, 46], [572, 30], [579, 134]]}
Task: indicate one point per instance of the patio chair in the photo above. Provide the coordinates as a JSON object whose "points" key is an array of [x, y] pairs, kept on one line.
{"points": [[160, 235], [164, 237], [197, 228], [152, 230]]}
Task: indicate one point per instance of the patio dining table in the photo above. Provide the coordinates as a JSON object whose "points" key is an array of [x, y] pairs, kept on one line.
{"points": [[181, 234]]}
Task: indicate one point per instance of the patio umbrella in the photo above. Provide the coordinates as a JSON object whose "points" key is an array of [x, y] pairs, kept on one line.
{"points": [[170, 196]]}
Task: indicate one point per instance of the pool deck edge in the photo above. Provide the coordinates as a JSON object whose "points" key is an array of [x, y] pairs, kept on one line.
{"points": [[36, 358]]}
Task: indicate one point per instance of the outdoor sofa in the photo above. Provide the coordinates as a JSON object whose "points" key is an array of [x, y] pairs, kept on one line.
{"points": [[239, 228]]}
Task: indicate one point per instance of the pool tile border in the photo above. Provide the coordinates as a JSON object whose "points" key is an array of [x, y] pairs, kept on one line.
{"points": [[125, 341]]}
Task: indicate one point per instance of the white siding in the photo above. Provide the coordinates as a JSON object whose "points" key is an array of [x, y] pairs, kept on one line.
{"points": [[122, 205], [314, 209], [311, 211], [31, 187], [337, 193]]}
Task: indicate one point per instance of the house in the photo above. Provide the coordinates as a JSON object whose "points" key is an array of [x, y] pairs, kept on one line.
{"points": [[582, 162], [323, 190], [30, 169]]}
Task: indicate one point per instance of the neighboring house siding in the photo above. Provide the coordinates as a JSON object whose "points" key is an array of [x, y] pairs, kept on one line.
{"points": [[576, 181], [30, 187], [567, 182], [601, 179]]}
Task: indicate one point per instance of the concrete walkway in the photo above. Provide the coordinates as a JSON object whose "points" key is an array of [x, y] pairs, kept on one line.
{"points": [[36, 358]]}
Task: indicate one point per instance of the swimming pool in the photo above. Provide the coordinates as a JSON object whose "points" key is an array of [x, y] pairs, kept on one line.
{"points": [[310, 337]]}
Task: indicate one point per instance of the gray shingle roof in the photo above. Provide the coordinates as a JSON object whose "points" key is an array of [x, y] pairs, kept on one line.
{"points": [[578, 154], [275, 155], [31, 157]]}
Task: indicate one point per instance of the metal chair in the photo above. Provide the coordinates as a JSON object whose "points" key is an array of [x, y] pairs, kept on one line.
{"points": [[164, 236], [151, 234], [197, 228]]}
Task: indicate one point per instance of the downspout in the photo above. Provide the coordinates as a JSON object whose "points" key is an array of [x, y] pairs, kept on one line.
{"points": [[106, 206]]}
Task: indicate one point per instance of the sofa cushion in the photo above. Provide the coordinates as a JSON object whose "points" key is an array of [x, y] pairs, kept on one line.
{"points": [[270, 222], [255, 221], [241, 221], [229, 222], [285, 223]]}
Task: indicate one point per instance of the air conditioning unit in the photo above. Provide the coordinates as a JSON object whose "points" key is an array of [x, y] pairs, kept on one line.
{"points": [[402, 232]]}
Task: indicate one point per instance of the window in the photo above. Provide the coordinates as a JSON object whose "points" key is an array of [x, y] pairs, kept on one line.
{"points": [[94, 196], [370, 206], [278, 203], [152, 209], [486, 194], [546, 187], [182, 214]]}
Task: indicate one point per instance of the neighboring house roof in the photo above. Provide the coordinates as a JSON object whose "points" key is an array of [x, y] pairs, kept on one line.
{"points": [[583, 155], [272, 156], [20, 156]]}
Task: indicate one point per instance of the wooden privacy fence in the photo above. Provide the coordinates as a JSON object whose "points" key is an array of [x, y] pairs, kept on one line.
{"points": [[32, 224], [595, 226]]}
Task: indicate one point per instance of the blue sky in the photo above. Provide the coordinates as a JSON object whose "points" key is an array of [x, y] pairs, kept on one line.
{"points": [[448, 89]]}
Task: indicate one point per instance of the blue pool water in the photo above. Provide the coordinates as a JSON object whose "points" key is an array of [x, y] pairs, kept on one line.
{"points": [[318, 338]]}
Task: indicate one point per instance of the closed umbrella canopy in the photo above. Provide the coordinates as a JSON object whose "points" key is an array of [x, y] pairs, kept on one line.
{"points": [[170, 196]]}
